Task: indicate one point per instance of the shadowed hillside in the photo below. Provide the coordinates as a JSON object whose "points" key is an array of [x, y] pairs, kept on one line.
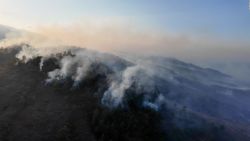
{"points": [[33, 109]]}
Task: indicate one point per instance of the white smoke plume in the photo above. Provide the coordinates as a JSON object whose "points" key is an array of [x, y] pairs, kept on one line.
{"points": [[117, 89], [77, 64]]}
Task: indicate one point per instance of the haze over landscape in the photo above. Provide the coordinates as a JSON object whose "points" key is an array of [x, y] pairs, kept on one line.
{"points": [[124, 70]]}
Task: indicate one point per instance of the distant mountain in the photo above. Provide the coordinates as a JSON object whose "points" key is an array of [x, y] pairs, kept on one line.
{"points": [[203, 91]]}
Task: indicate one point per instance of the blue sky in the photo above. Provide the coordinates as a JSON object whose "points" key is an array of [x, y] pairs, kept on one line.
{"points": [[228, 18], [221, 27], [225, 20]]}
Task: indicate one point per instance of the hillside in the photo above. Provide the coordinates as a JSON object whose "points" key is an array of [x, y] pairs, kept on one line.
{"points": [[43, 99]]}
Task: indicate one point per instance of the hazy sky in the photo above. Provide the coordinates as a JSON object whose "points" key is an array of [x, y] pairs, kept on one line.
{"points": [[207, 32], [215, 24], [229, 18]]}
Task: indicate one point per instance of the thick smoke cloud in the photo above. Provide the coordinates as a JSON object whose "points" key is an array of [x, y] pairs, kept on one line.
{"points": [[77, 64], [51, 40], [117, 89], [120, 36], [139, 75]]}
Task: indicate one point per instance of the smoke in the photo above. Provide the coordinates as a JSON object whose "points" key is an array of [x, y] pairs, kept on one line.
{"points": [[117, 89], [106, 37], [122, 36], [47, 41], [78, 65], [239, 69]]}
